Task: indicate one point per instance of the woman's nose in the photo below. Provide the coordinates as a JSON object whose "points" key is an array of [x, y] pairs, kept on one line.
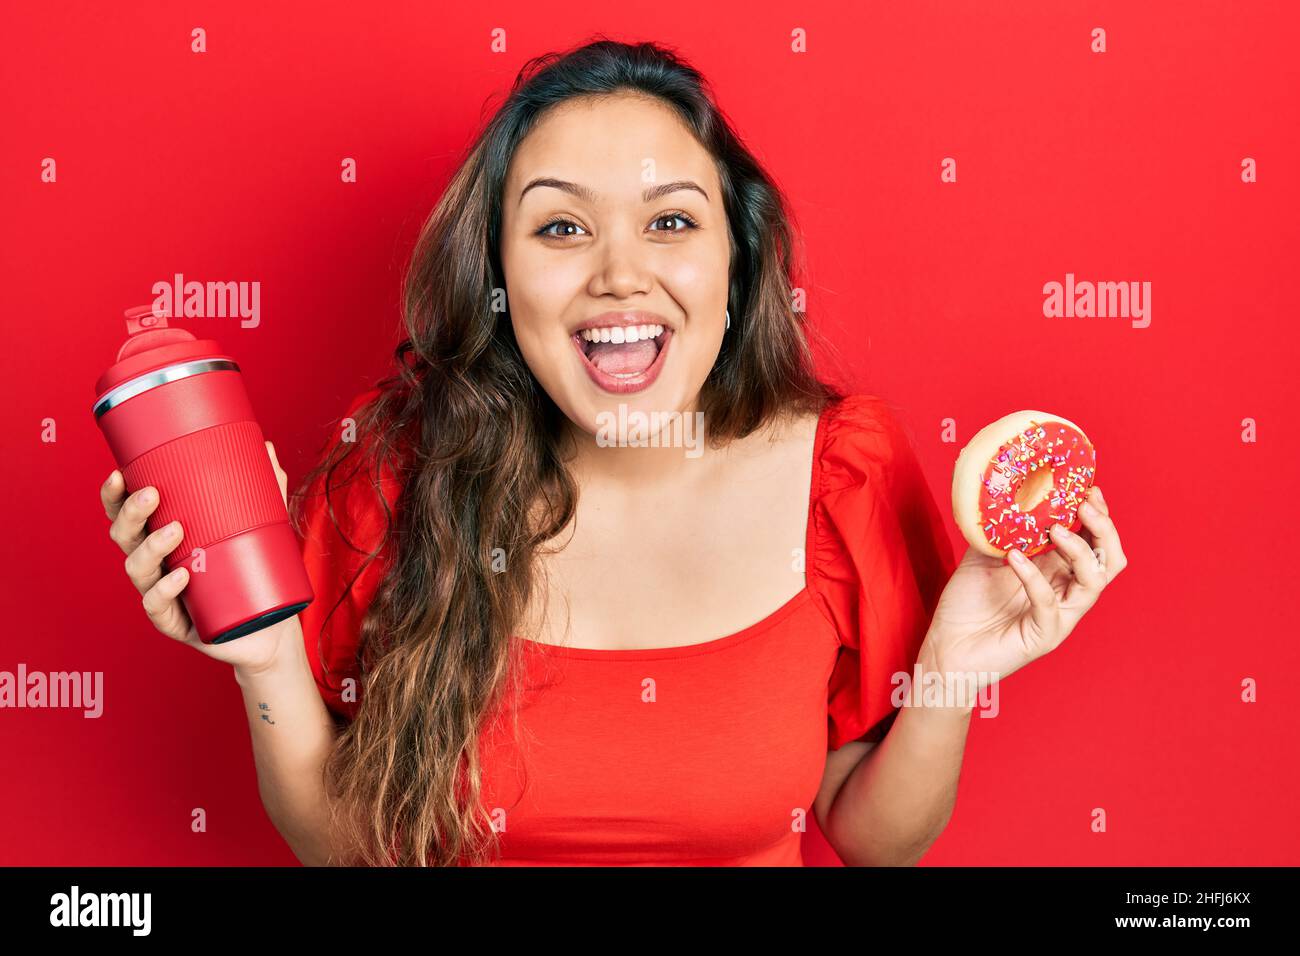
{"points": [[622, 268]]}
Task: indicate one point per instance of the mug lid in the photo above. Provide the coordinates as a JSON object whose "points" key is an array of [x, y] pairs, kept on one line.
{"points": [[150, 345]]}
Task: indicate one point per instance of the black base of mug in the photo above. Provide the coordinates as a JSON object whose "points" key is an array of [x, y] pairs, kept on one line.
{"points": [[259, 622]]}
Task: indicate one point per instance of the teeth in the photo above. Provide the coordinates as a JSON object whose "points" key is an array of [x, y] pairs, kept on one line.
{"points": [[619, 333]]}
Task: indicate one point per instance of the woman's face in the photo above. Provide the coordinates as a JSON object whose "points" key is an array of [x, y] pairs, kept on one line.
{"points": [[615, 249]]}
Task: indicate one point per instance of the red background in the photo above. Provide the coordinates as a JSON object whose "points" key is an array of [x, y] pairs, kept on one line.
{"points": [[1116, 166]]}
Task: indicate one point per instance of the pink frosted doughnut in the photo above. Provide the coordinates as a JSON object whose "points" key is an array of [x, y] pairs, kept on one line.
{"points": [[1017, 477]]}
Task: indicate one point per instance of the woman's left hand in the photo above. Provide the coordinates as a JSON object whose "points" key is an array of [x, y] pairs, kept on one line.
{"points": [[997, 615]]}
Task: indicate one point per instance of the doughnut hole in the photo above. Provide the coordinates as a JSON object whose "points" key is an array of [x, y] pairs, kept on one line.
{"points": [[1034, 488]]}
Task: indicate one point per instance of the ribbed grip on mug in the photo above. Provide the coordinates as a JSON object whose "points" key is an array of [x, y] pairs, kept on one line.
{"points": [[220, 476]]}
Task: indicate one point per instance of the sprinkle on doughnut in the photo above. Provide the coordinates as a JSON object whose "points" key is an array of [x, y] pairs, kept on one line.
{"points": [[1049, 444]]}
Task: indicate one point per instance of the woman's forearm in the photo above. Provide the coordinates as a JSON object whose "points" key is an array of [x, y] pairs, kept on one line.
{"points": [[898, 799], [292, 734]]}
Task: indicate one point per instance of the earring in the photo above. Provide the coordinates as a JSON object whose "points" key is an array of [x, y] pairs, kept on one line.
{"points": [[728, 318]]}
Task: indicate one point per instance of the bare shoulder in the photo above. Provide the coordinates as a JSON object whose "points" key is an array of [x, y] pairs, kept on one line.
{"points": [[797, 427], [782, 446], [788, 439], [786, 433]]}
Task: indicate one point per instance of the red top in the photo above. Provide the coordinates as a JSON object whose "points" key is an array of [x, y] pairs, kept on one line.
{"points": [[721, 768]]}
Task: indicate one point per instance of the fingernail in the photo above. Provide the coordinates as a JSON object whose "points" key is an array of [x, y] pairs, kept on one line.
{"points": [[172, 529], [1016, 556], [1087, 509], [146, 496], [1060, 530]]}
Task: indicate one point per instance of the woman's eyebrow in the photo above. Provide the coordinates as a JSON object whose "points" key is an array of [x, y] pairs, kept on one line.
{"points": [[585, 194]]}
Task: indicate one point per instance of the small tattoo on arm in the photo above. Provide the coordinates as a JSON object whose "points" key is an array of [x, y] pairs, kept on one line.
{"points": [[266, 716]]}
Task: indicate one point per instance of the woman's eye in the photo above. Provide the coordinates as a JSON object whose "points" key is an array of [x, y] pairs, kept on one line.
{"points": [[681, 216], [546, 229]]}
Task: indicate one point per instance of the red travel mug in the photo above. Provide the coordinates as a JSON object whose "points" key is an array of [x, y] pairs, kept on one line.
{"points": [[175, 413]]}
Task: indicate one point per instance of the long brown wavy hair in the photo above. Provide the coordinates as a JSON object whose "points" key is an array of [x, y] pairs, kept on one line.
{"points": [[477, 445]]}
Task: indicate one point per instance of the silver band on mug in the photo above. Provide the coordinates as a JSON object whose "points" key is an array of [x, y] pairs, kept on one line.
{"points": [[142, 383]]}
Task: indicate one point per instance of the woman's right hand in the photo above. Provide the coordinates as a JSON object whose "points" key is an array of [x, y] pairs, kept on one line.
{"points": [[161, 594]]}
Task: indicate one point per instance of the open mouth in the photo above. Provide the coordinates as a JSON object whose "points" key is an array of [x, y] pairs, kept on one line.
{"points": [[623, 358]]}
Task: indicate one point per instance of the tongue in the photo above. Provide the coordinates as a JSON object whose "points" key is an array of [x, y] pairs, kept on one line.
{"points": [[626, 358]]}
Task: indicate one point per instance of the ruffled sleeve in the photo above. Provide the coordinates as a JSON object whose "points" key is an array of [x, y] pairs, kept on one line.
{"points": [[331, 624], [880, 558]]}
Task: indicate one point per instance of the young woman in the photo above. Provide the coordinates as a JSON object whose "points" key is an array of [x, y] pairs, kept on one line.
{"points": [[541, 637]]}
